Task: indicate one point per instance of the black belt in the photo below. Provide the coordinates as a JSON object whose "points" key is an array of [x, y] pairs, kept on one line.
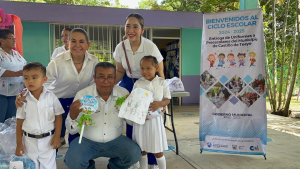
{"points": [[41, 135]]}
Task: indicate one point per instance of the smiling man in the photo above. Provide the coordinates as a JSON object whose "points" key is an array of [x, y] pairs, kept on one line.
{"points": [[104, 138]]}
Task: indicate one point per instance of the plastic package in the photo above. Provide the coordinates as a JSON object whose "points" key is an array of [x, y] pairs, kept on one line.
{"points": [[7, 142], [175, 84], [27, 162]]}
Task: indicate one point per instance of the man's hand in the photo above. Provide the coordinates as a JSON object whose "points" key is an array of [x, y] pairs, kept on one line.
{"points": [[55, 142], [154, 106], [75, 109], [19, 150], [20, 99]]}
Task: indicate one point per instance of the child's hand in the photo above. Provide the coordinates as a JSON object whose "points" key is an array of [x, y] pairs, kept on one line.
{"points": [[154, 106], [19, 150], [55, 142]]}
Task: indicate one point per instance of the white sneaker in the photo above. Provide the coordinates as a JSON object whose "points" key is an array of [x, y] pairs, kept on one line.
{"points": [[135, 166], [153, 167]]}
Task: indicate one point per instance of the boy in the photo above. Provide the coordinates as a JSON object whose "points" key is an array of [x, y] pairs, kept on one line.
{"points": [[39, 119]]}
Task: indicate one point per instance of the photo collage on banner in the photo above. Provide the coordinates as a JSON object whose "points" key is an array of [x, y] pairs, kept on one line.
{"points": [[233, 115]]}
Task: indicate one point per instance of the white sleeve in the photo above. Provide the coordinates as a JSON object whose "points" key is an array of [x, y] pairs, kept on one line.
{"points": [[71, 125], [166, 90], [58, 109], [54, 54], [117, 54], [92, 78], [156, 53], [21, 112], [51, 73]]}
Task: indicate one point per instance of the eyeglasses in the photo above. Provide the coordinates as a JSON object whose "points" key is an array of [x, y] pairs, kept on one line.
{"points": [[12, 38], [102, 79]]}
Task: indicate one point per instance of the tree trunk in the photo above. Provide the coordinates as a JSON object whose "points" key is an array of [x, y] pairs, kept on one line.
{"points": [[287, 85], [283, 54], [288, 101], [268, 88], [274, 57]]}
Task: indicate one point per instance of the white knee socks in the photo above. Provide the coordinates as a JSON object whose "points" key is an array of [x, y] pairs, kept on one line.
{"points": [[144, 162], [161, 162]]}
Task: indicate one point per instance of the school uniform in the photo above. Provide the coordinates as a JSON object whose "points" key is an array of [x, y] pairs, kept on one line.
{"points": [[57, 51], [10, 86], [64, 80], [151, 136], [147, 47], [39, 118]]}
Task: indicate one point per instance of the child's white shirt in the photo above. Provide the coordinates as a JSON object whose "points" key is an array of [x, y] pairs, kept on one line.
{"points": [[158, 86], [39, 114]]}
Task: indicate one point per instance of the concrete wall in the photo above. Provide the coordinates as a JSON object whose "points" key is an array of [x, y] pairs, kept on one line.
{"points": [[191, 53], [36, 42]]}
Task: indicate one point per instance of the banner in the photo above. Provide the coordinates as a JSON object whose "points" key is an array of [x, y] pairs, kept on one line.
{"points": [[233, 117]]}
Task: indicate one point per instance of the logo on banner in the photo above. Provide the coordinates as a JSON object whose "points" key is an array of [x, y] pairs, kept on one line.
{"points": [[252, 148], [234, 147], [220, 146], [208, 144], [241, 147]]}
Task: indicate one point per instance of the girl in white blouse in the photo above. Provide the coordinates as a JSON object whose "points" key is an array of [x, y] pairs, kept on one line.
{"points": [[65, 39], [136, 47], [11, 66], [151, 136]]}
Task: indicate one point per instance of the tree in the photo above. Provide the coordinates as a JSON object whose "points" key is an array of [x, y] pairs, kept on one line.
{"points": [[191, 5], [286, 108]]}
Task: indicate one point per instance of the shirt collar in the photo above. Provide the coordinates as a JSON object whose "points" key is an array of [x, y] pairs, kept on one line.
{"points": [[43, 92], [156, 78], [140, 49], [96, 94], [67, 56]]}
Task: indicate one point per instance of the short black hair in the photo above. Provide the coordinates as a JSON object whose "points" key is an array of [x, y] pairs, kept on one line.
{"points": [[67, 29], [152, 58], [4, 33], [242, 54], [105, 65], [34, 65], [222, 54], [80, 30]]}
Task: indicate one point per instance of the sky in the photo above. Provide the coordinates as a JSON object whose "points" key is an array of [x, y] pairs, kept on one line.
{"points": [[133, 3]]}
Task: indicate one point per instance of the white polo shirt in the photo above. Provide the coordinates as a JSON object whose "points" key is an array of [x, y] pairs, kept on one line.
{"points": [[158, 86], [39, 114], [11, 86], [108, 125], [146, 48], [57, 51], [63, 78]]}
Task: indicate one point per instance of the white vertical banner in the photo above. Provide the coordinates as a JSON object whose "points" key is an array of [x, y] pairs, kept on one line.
{"points": [[233, 116]]}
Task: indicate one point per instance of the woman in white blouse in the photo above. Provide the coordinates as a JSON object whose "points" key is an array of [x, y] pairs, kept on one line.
{"points": [[136, 47], [65, 39], [70, 72], [11, 66]]}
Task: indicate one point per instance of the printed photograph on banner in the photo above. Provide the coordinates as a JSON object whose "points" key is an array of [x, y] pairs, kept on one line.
{"points": [[218, 94], [259, 84], [248, 96], [207, 80], [235, 85]]}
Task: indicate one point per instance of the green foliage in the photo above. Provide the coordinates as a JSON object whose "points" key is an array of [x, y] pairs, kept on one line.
{"points": [[120, 101], [211, 6], [85, 119]]}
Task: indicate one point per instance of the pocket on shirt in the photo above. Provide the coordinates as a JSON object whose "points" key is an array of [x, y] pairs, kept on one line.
{"points": [[50, 114], [158, 93], [116, 121]]}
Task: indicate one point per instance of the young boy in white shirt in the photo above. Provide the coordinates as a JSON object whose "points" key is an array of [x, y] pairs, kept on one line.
{"points": [[39, 120]]}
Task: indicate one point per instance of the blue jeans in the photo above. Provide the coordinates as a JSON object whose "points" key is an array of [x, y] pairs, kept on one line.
{"points": [[126, 82], [8, 107], [122, 152], [66, 103]]}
